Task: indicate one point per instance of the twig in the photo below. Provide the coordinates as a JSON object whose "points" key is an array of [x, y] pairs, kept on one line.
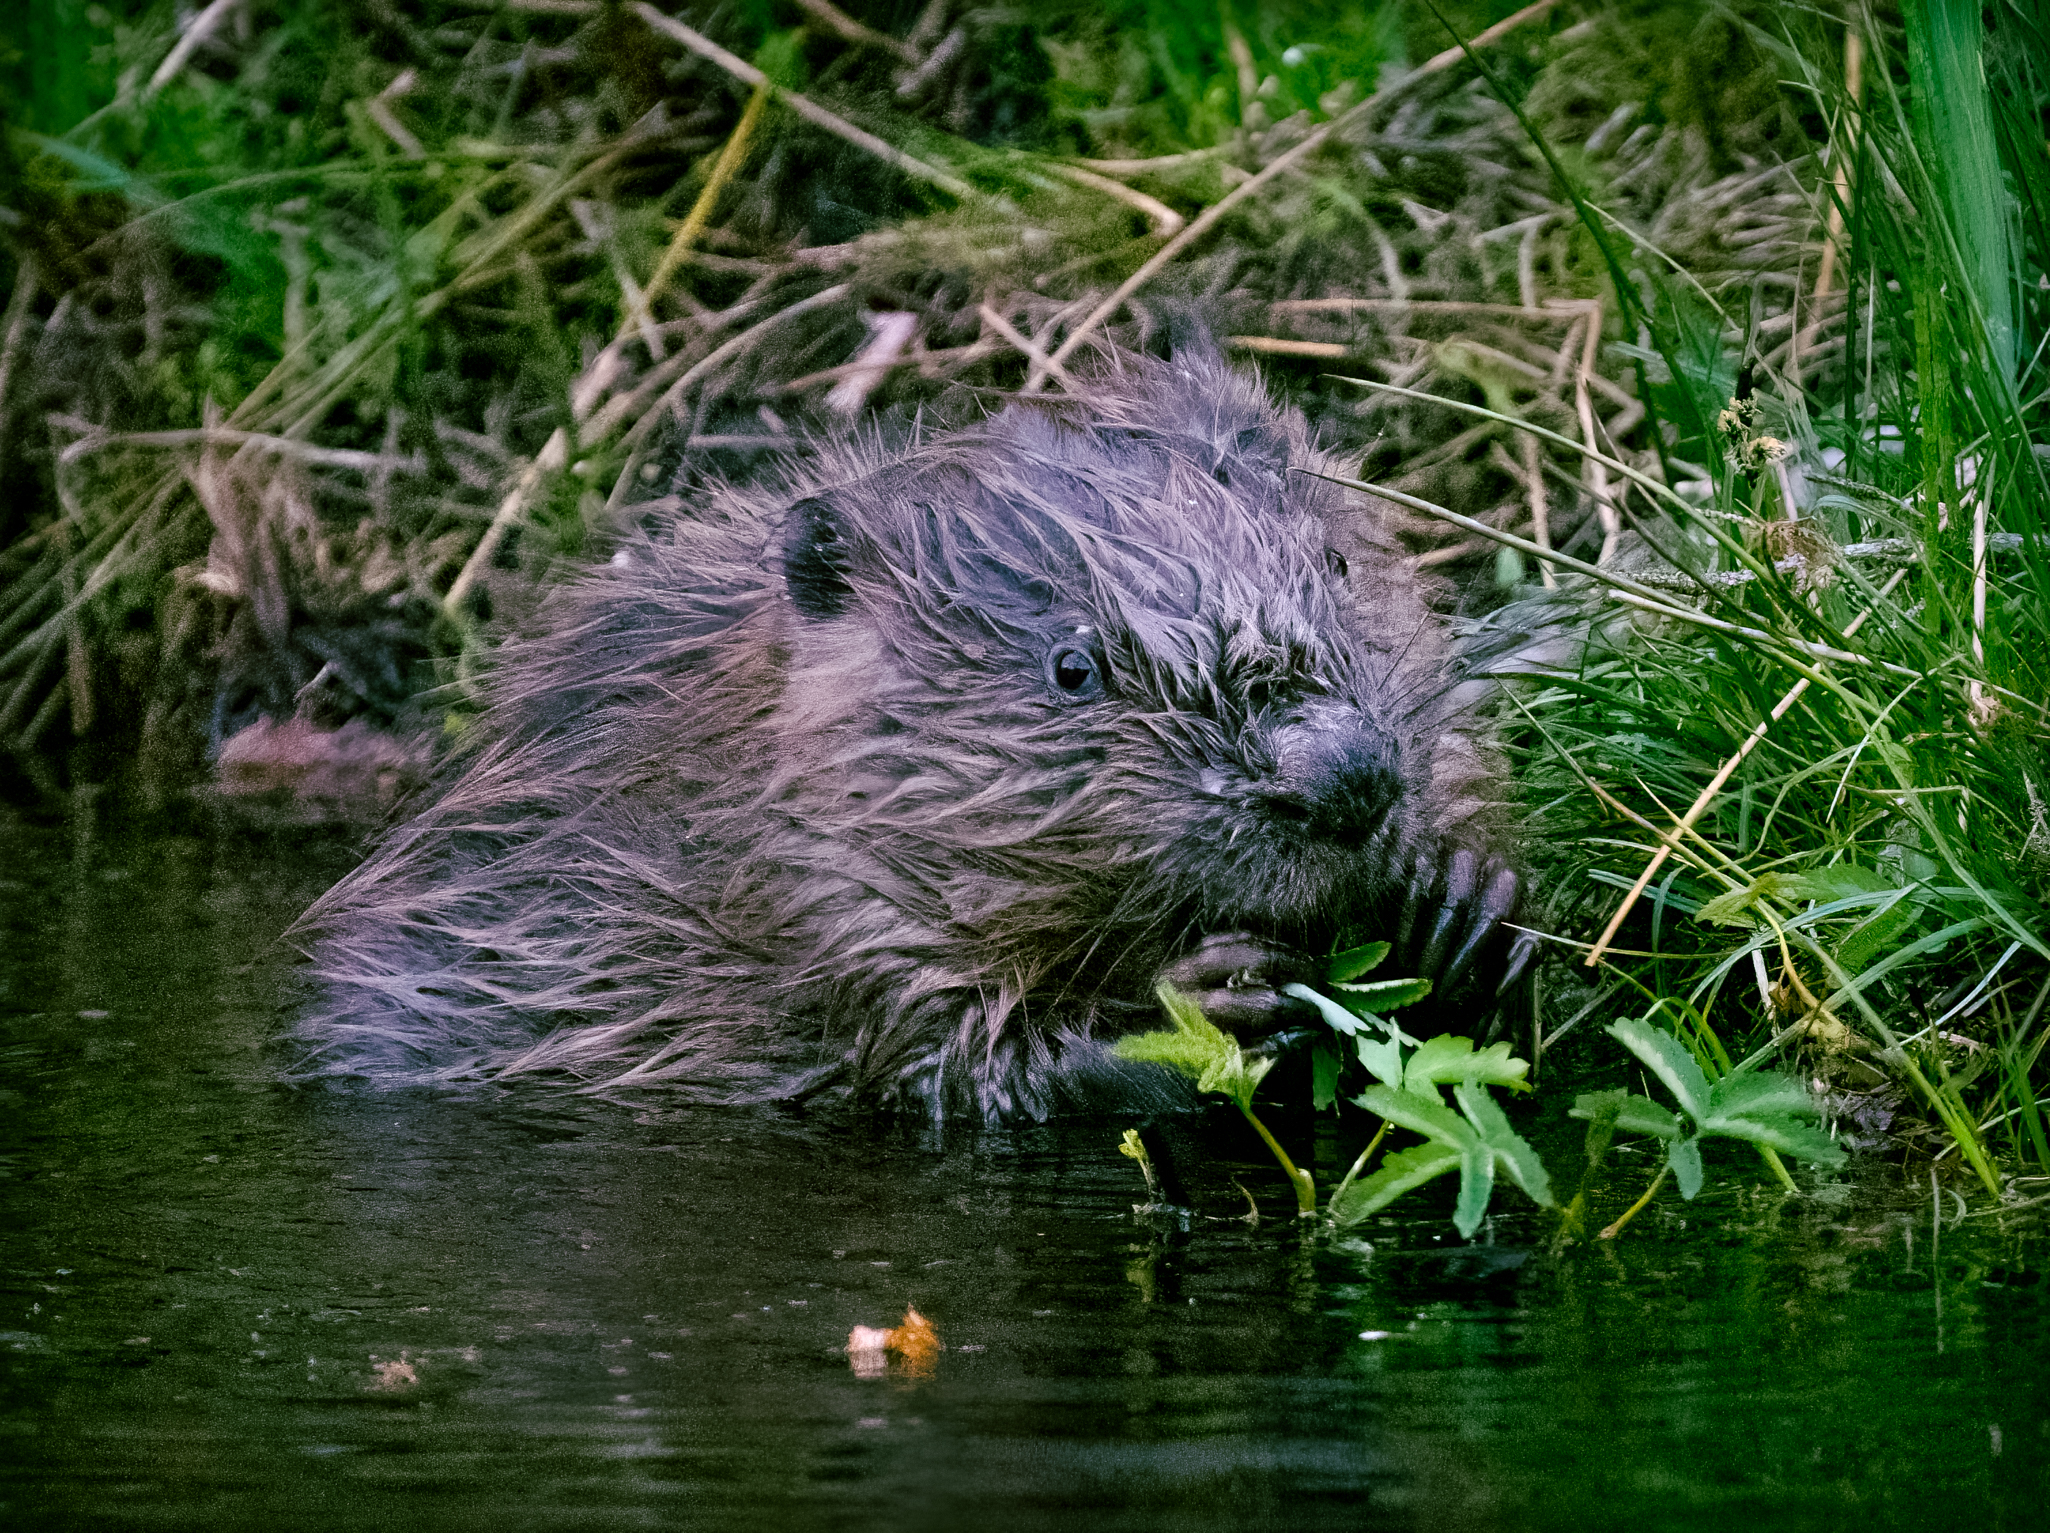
{"points": [[378, 110], [675, 392], [702, 207], [1540, 509], [854, 32], [225, 436], [18, 305], [803, 106], [1738, 630], [1031, 348], [889, 334], [1556, 310], [545, 465], [1150, 167], [1841, 152], [1583, 405], [1276, 346], [1161, 220], [1208, 219], [605, 366], [201, 28]]}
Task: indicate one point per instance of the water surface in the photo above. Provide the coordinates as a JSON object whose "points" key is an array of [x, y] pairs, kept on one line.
{"points": [[225, 1304]]}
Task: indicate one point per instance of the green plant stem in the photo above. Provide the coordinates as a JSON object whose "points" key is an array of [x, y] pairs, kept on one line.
{"points": [[1361, 1164], [1779, 1167], [1631, 1212], [1305, 1188]]}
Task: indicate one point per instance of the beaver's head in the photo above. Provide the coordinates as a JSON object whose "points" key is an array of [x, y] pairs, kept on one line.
{"points": [[1083, 684]]}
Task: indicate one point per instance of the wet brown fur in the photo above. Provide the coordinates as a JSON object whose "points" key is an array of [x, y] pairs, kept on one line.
{"points": [[791, 794]]}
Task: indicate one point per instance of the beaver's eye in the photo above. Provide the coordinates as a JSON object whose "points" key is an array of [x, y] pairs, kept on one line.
{"points": [[1334, 561], [1075, 673]]}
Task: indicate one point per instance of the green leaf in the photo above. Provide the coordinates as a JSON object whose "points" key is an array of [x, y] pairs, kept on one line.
{"points": [[1337, 1016], [1370, 1000], [1398, 1173], [1195, 1046], [1508, 1147], [1420, 1115], [1735, 907], [1838, 881], [1178, 1051], [1447, 1059], [1476, 1189], [1383, 1059], [1633, 1114], [1667, 1058], [1236, 1076], [1757, 1092], [1684, 1156], [1354, 961], [1877, 933], [1324, 1067], [1782, 1132]]}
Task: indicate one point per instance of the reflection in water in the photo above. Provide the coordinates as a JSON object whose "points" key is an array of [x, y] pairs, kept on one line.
{"points": [[231, 1305]]}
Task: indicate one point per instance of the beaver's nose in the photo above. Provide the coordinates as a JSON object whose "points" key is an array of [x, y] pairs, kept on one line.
{"points": [[1335, 774]]}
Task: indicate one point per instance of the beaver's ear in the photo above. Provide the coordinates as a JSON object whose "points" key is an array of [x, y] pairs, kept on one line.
{"points": [[815, 559]]}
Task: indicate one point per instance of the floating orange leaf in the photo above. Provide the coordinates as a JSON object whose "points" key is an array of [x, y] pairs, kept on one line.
{"points": [[915, 1342]]}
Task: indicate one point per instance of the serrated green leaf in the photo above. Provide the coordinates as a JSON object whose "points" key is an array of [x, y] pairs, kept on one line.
{"points": [[1633, 1114], [1420, 1115], [1349, 965], [1684, 1156], [1839, 881], [1447, 1059], [1508, 1147], [1372, 999], [1476, 1189], [1236, 1076], [1787, 1134], [1757, 1091], [1188, 1017], [1398, 1173], [1735, 907], [1324, 1067], [1178, 1051], [1383, 1059], [1194, 1047], [1879, 933], [1667, 1058]]}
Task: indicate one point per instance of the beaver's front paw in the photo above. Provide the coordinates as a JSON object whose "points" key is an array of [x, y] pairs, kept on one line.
{"points": [[1237, 977]]}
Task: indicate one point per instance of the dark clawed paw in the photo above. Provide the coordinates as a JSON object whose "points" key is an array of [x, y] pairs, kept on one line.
{"points": [[1236, 978], [1451, 926]]}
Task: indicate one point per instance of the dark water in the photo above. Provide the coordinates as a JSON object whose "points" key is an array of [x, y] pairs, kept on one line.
{"points": [[226, 1305]]}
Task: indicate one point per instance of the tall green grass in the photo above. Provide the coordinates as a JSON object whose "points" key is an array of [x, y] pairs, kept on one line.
{"points": [[1864, 630]]}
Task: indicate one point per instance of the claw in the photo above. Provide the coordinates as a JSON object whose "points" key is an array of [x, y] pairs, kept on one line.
{"points": [[1413, 903], [1520, 952], [1497, 900], [1453, 907]]}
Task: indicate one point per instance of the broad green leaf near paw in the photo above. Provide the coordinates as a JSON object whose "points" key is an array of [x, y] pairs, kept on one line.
{"points": [[1343, 968], [1382, 995]]}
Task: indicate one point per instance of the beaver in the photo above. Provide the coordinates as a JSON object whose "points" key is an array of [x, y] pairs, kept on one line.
{"points": [[918, 776]]}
